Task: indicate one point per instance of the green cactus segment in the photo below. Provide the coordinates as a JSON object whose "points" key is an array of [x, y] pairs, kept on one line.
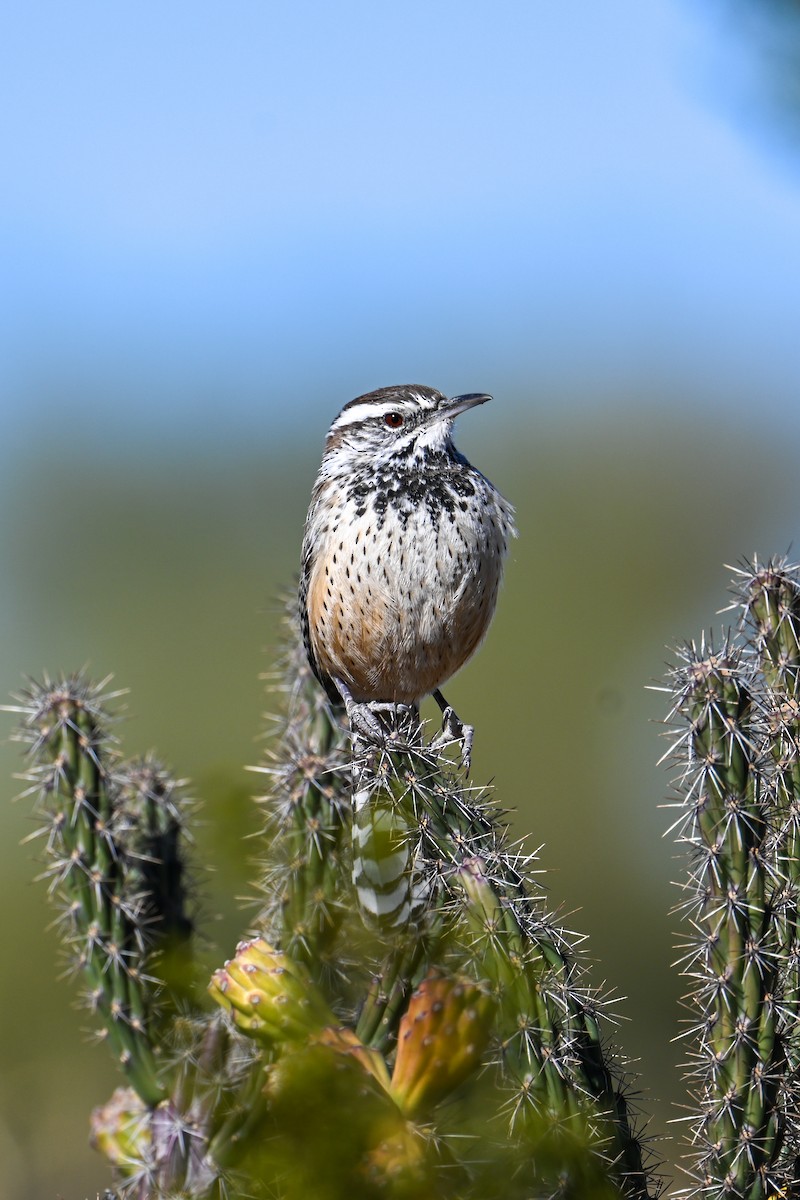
{"points": [[469, 902], [104, 912], [150, 815], [537, 1047], [443, 1035], [405, 963], [269, 996], [734, 964], [769, 597], [307, 821], [555, 1065], [151, 811]]}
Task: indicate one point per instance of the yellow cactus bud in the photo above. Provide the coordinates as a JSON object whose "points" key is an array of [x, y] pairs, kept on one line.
{"points": [[270, 997], [120, 1130]]}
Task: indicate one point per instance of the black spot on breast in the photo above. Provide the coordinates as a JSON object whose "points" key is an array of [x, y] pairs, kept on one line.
{"points": [[462, 484]]}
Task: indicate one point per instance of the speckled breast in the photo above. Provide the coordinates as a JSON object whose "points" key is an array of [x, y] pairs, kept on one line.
{"points": [[403, 588]]}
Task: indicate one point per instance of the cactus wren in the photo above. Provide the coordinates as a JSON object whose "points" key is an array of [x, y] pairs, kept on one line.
{"points": [[402, 556]]}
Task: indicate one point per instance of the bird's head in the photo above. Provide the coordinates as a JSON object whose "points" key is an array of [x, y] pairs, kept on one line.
{"points": [[406, 423]]}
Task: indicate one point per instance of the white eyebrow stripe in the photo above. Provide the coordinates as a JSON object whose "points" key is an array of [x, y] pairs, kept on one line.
{"points": [[363, 412]]}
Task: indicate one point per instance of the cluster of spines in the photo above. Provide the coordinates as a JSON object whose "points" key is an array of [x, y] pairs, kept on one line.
{"points": [[737, 722]]}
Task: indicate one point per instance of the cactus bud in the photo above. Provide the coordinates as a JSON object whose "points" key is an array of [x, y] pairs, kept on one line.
{"points": [[120, 1130], [400, 1163], [269, 997], [442, 1038]]}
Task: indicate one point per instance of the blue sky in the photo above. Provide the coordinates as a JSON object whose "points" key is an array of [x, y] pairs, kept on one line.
{"points": [[292, 203]]}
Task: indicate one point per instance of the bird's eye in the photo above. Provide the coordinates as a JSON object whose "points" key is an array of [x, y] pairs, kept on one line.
{"points": [[394, 420]]}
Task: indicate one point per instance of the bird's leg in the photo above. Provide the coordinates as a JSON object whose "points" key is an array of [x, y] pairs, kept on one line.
{"points": [[453, 730]]}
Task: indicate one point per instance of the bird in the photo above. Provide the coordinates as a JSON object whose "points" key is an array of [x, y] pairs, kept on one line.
{"points": [[402, 557]]}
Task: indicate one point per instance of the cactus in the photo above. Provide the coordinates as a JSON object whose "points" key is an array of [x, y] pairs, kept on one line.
{"points": [[93, 871], [114, 861], [737, 721], [407, 1018]]}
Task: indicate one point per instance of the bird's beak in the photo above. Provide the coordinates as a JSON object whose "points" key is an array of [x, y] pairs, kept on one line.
{"points": [[460, 404]]}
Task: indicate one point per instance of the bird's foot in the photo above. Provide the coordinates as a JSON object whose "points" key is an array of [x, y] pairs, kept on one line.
{"points": [[366, 721], [454, 730]]}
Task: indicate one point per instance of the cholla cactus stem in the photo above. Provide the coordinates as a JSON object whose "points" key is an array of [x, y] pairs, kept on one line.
{"points": [[473, 897], [306, 809], [63, 724], [388, 991], [245, 1124], [735, 966], [769, 598]]}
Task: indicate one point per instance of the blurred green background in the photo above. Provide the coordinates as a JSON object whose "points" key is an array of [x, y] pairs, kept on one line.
{"points": [[217, 229]]}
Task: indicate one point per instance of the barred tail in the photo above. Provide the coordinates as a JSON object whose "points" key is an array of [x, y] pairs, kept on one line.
{"points": [[382, 858]]}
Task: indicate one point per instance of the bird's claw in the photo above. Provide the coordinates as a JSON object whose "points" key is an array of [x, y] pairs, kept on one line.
{"points": [[365, 721], [454, 730]]}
